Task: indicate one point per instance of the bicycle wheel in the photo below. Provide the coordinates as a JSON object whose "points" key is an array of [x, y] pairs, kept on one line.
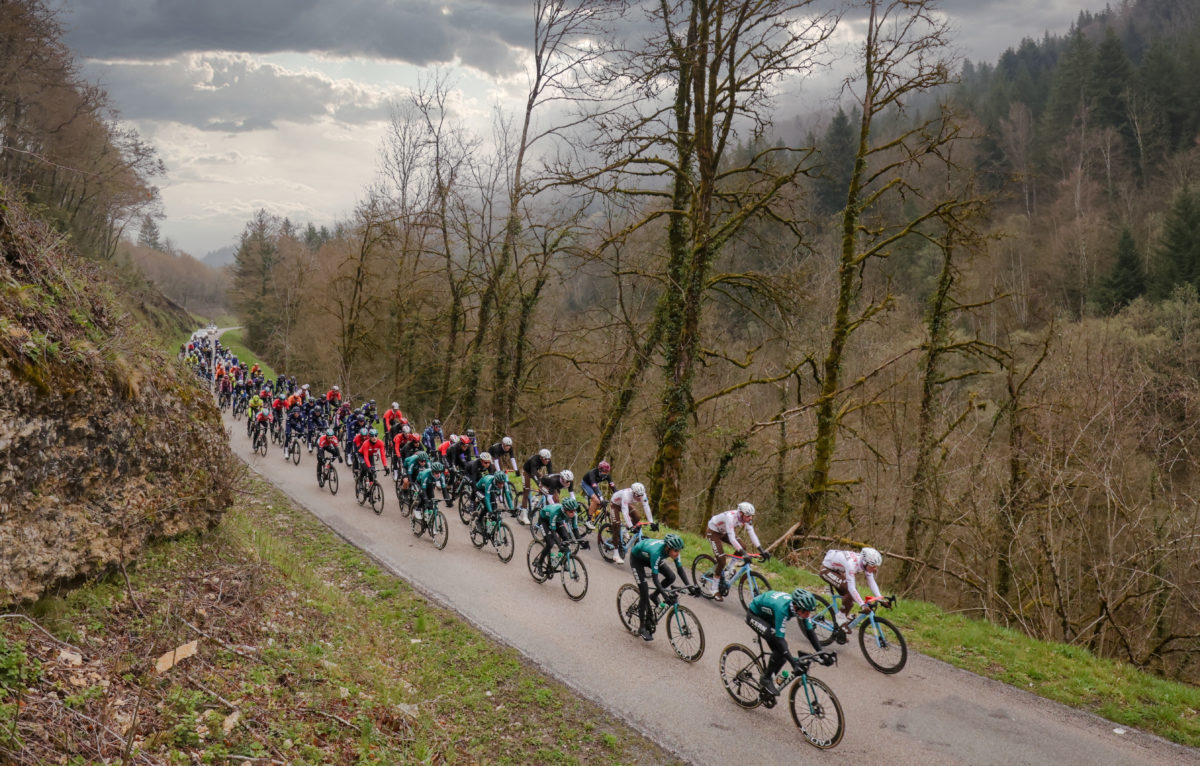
{"points": [[478, 538], [575, 578], [376, 498], [604, 541], [739, 672], [405, 498], [505, 543], [418, 522], [534, 549], [360, 490], [629, 601], [822, 621], [331, 479], [704, 574], [466, 508], [817, 712], [685, 633], [750, 585], [535, 529], [882, 645], [439, 531], [262, 445]]}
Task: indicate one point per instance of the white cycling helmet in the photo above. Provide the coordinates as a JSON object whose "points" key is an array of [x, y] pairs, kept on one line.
{"points": [[305, 387], [506, 441], [405, 429], [746, 509], [454, 438], [485, 457], [335, 388], [567, 476], [872, 557], [639, 489], [544, 454], [395, 405]]}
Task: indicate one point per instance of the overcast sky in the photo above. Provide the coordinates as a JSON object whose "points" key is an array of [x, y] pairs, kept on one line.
{"points": [[281, 104]]}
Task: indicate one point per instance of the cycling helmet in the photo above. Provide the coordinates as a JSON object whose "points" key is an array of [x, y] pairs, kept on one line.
{"points": [[639, 489], [872, 557], [263, 393], [674, 542], [604, 466], [454, 438], [404, 429], [436, 467], [437, 423], [746, 508], [374, 432], [485, 457], [335, 388], [506, 441], [470, 433], [395, 405], [362, 432], [329, 432], [803, 600], [372, 402], [567, 476], [422, 457], [544, 454], [304, 387], [570, 505]]}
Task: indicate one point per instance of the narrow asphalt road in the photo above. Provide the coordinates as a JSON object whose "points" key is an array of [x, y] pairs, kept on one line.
{"points": [[930, 713]]}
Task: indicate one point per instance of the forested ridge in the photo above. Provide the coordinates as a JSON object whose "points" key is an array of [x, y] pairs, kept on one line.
{"points": [[959, 322]]}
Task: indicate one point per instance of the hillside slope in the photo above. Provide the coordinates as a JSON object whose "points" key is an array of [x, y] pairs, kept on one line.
{"points": [[104, 443]]}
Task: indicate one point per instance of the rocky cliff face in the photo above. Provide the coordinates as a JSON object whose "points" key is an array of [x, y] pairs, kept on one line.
{"points": [[105, 443]]}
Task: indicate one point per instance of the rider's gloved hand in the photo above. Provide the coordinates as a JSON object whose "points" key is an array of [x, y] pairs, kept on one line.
{"points": [[829, 659], [766, 555], [694, 590], [670, 599], [654, 526]]}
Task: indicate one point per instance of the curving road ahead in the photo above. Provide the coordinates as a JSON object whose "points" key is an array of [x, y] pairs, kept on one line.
{"points": [[930, 713]]}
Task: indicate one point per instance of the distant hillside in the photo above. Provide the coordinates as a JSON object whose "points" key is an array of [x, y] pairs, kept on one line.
{"points": [[219, 258]]}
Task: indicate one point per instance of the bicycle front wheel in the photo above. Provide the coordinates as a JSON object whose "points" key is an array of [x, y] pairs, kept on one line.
{"points": [[752, 584], [406, 502], [418, 523], [739, 672], [629, 601], [295, 453], [439, 531], [574, 578], [506, 545], [882, 645], [376, 497], [817, 712], [685, 633], [331, 480], [704, 574], [466, 508]]}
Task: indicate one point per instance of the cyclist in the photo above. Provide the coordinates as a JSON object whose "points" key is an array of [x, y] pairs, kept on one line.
{"points": [[254, 405], [840, 568], [391, 423], [371, 445], [355, 453], [432, 436], [413, 465], [483, 489], [559, 522], [622, 513], [327, 449], [767, 615], [590, 484], [552, 485], [649, 553], [460, 453], [295, 425], [404, 444], [723, 528], [429, 479], [478, 468], [530, 471], [502, 452]]}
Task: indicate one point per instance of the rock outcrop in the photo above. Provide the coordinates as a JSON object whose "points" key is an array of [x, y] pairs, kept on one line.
{"points": [[105, 442]]}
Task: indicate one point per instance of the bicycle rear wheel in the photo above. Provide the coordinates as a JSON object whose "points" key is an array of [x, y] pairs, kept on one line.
{"points": [[331, 479], [440, 531], [477, 536], [882, 645], [505, 543], [685, 633], [418, 522], [466, 508], [405, 499], [752, 584], [739, 672], [704, 574], [535, 548], [604, 541], [575, 578], [629, 602], [376, 498], [817, 712], [823, 621]]}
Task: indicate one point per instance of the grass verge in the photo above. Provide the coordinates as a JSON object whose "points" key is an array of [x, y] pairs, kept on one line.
{"points": [[307, 653], [232, 340], [1068, 674]]}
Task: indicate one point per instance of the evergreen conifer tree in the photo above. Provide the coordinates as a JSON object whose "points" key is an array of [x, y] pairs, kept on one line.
{"points": [[1127, 280], [1178, 257]]}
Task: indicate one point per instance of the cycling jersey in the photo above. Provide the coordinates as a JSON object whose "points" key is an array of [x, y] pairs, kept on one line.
{"points": [[554, 483], [649, 553], [775, 607], [728, 523], [850, 564], [500, 454], [475, 470], [594, 478], [551, 515], [534, 465], [624, 499], [372, 445], [390, 416]]}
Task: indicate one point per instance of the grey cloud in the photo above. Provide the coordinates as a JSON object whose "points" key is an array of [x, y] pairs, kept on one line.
{"points": [[233, 93], [481, 33]]}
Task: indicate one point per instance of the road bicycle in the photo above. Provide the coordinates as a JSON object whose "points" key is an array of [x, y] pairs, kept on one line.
{"points": [[405, 497], [292, 449], [815, 708], [749, 582], [880, 641], [563, 561], [684, 630], [327, 475], [260, 441], [628, 539], [426, 517], [490, 528], [367, 488]]}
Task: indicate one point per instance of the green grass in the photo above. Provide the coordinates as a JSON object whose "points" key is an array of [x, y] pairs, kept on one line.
{"points": [[233, 341], [328, 658], [1068, 674]]}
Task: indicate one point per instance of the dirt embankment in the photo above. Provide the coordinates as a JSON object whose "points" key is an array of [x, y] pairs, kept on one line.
{"points": [[104, 442]]}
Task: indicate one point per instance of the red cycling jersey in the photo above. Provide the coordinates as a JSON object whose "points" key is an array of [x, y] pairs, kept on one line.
{"points": [[327, 441], [372, 444]]}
